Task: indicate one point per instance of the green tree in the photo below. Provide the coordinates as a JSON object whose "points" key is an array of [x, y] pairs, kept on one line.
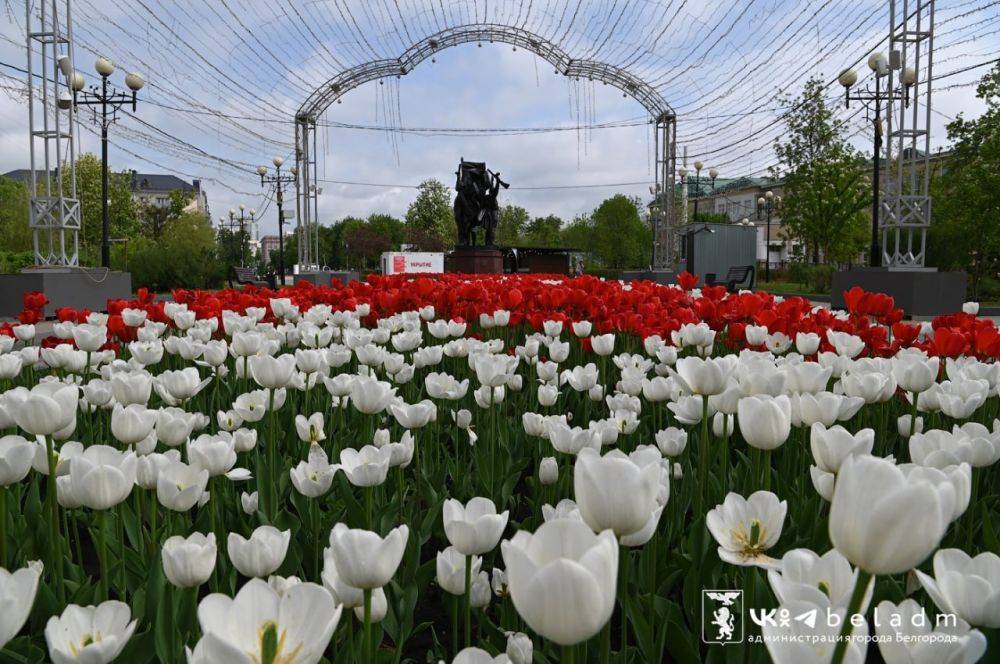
{"points": [[185, 256], [512, 224], [620, 238], [153, 218], [389, 227], [122, 209], [965, 233], [579, 234], [430, 220], [543, 231], [15, 235], [826, 188]]}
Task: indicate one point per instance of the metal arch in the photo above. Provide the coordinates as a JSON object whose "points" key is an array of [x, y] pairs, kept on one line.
{"points": [[349, 79], [662, 116]]}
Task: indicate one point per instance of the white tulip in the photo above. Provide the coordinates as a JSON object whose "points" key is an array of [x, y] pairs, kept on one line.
{"points": [[261, 554], [813, 642], [179, 486], [746, 528], [704, 377], [310, 430], [616, 491], [831, 446], [363, 558], [883, 521], [966, 586], [548, 471], [571, 440], [261, 625], [366, 467], [474, 528], [915, 373], [214, 453], [16, 456], [906, 635], [188, 562], [765, 421], [314, 477], [102, 476], [450, 567], [17, 595], [44, 409], [272, 373], [93, 634], [132, 423], [826, 580], [562, 579], [671, 441]]}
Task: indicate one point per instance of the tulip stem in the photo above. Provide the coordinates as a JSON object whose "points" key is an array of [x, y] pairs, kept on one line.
{"points": [[454, 626], [567, 654], [860, 587], [368, 625], [913, 413], [368, 507], [154, 509], [702, 457], [468, 601], [55, 549], [3, 527], [102, 555]]}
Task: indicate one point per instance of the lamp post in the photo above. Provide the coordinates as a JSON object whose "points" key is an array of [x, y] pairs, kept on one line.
{"points": [[712, 174], [872, 97], [767, 204], [110, 102], [242, 236], [278, 180]]}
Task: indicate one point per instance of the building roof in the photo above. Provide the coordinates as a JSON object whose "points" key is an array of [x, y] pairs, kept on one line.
{"points": [[141, 182], [159, 182]]}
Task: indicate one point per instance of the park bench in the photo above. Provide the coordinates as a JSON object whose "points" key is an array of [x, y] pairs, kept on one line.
{"points": [[735, 277], [247, 275]]}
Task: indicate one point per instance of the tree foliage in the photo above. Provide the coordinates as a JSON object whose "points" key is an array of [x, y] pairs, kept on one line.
{"points": [[826, 188], [965, 233], [184, 256], [621, 239], [121, 210], [15, 235], [430, 220]]}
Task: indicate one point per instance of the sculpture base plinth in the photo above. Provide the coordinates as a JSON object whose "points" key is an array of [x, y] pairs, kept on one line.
{"points": [[77, 287], [919, 293], [474, 260]]}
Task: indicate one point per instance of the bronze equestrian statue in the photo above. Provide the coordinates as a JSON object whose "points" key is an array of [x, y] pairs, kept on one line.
{"points": [[476, 202]]}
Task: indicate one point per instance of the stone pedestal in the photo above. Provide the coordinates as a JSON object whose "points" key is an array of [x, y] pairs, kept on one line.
{"points": [[919, 293], [323, 277], [78, 287], [474, 260]]}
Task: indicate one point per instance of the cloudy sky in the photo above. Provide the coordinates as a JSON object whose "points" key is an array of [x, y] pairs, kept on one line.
{"points": [[226, 77]]}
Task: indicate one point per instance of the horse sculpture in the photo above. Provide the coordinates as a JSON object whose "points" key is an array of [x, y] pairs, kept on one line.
{"points": [[476, 202]]}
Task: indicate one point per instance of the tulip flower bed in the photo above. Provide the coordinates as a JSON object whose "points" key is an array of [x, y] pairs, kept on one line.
{"points": [[498, 469]]}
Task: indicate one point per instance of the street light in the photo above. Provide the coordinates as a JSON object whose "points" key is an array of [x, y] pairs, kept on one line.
{"points": [[278, 180], [767, 204], [243, 236], [712, 174], [110, 102], [872, 97]]}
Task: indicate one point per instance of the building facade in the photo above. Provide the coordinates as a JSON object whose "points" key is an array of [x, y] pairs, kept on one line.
{"points": [[154, 189], [736, 199]]}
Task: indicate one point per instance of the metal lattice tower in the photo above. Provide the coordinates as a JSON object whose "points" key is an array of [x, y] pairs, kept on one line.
{"points": [[54, 210], [906, 204], [661, 114]]}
